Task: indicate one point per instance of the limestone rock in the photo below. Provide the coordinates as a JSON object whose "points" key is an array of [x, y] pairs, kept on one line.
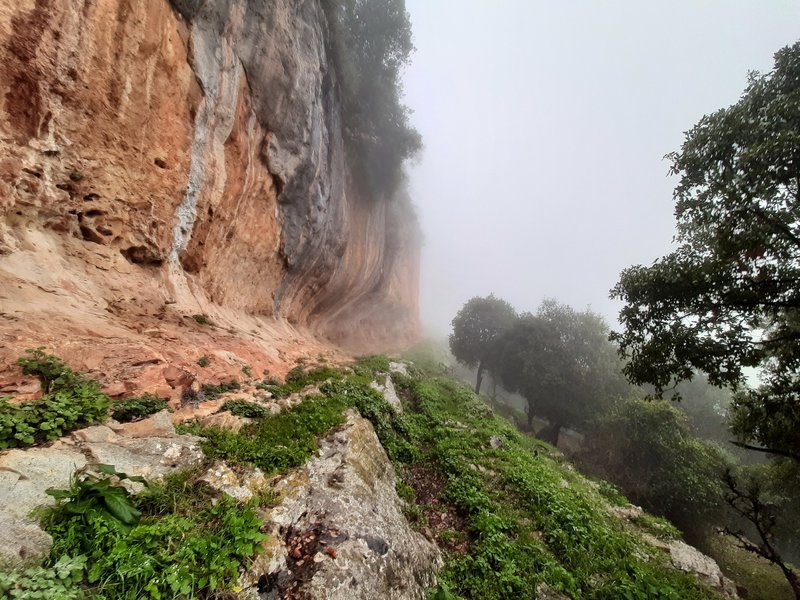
{"points": [[157, 425], [389, 392], [26, 474], [242, 485], [339, 532], [22, 542], [225, 420]]}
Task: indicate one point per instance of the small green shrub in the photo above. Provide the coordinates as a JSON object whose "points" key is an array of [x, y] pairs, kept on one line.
{"points": [[179, 548], [70, 401], [204, 361], [58, 582], [211, 390], [92, 497], [138, 407], [245, 408], [248, 371], [203, 319]]}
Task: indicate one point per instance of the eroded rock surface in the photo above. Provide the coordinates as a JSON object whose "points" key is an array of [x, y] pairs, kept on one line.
{"points": [[339, 532], [160, 160]]}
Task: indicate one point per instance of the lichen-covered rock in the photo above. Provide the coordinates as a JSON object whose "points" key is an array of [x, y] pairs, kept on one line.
{"points": [[339, 532]]}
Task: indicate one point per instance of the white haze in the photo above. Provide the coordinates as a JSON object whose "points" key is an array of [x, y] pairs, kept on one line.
{"points": [[545, 125]]}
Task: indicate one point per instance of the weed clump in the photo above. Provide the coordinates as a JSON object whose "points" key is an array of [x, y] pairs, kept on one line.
{"points": [[70, 401], [245, 408], [137, 408], [204, 361], [212, 390]]}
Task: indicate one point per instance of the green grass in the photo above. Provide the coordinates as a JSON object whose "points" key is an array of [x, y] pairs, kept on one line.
{"points": [[277, 442], [762, 579], [212, 390], [530, 518]]}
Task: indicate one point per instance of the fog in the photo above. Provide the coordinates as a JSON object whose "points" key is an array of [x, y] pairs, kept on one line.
{"points": [[545, 127]]}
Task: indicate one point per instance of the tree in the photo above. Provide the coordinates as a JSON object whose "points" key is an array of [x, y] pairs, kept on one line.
{"points": [[562, 363], [475, 329], [728, 297], [372, 43], [754, 502]]}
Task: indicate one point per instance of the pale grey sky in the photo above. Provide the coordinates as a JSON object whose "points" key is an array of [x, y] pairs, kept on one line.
{"points": [[545, 123]]}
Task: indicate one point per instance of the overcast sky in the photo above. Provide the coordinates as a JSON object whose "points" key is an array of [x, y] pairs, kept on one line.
{"points": [[545, 124]]}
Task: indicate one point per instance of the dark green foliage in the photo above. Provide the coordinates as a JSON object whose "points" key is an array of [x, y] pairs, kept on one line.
{"points": [[561, 361], [59, 582], [135, 408], [204, 361], [70, 401], [476, 328], [245, 408], [181, 549], [276, 442], [371, 45], [203, 319], [248, 371], [92, 497], [728, 297], [212, 390], [649, 451]]}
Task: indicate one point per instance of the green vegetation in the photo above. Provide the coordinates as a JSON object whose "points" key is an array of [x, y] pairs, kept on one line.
{"points": [[561, 362], [298, 378], [648, 450], [248, 371], [276, 442], [212, 390], [70, 401], [203, 319], [528, 518], [371, 45], [727, 299], [762, 579], [153, 545], [138, 407], [476, 328], [204, 361], [245, 408], [61, 581]]}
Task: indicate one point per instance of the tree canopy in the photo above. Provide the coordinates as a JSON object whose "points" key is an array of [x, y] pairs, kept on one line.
{"points": [[728, 297], [561, 361], [372, 43], [476, 327]]}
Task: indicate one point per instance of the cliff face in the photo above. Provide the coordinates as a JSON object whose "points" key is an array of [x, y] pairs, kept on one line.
{"points": [[159, 160]]}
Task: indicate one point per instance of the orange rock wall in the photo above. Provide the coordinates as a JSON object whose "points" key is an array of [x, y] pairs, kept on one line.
{"points": [[159, 161]]}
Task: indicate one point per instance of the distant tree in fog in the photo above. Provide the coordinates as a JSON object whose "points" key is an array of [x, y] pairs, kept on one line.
{"points": [[561, 361], [476, 327]]}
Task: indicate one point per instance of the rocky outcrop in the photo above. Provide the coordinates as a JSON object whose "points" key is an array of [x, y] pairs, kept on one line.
{"points": [[339, 532], [159, 160]]}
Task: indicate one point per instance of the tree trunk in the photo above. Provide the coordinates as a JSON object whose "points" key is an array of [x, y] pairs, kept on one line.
{"points": [[530, 416], [551, 432], [480, 378], [494, 389]]}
